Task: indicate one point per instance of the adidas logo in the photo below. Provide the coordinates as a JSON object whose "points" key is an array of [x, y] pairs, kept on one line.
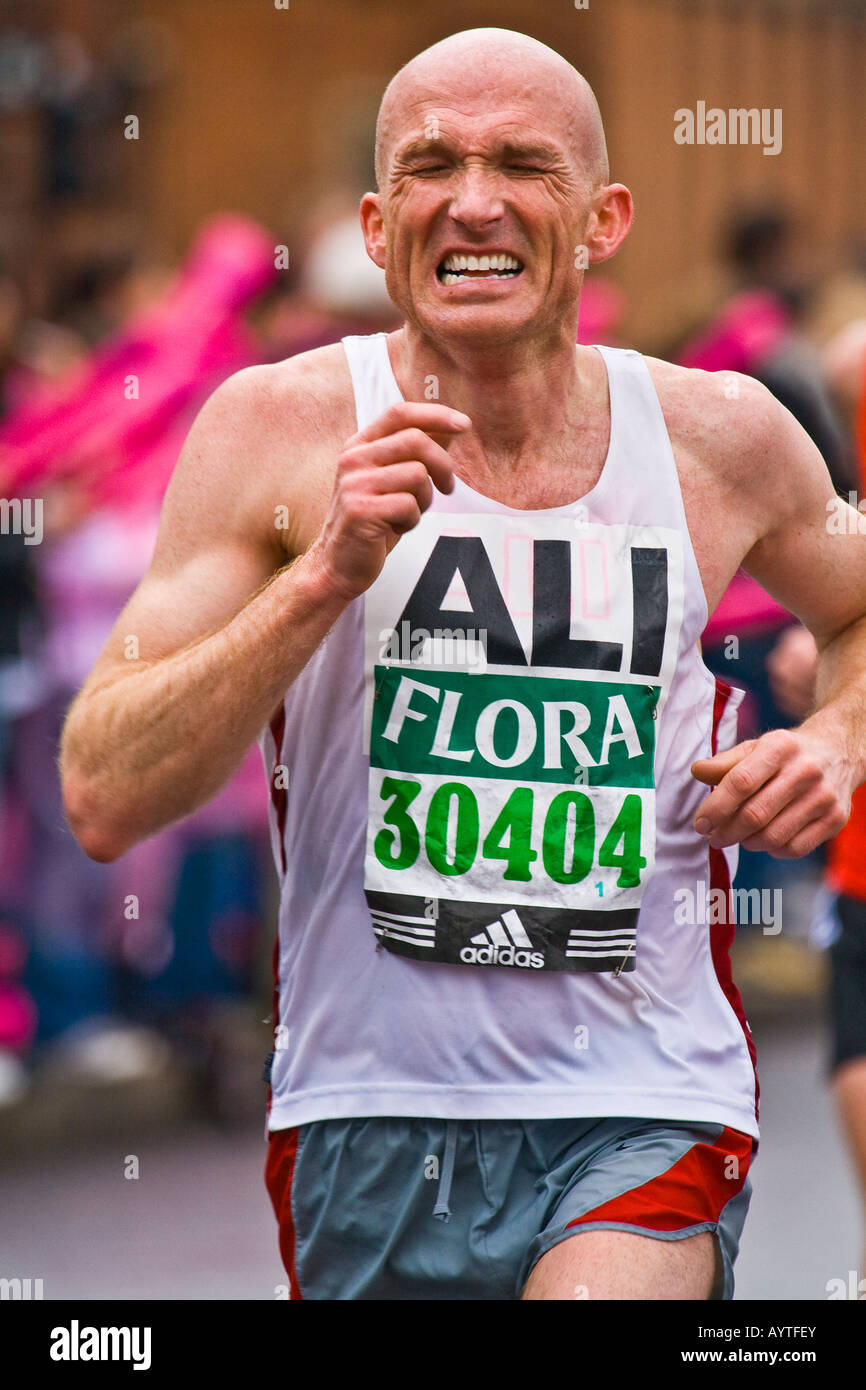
{"points": [[503, 942]]}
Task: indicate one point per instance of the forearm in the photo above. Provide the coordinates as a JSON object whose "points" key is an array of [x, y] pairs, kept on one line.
{"points": [[840, 702], [159, 741]]}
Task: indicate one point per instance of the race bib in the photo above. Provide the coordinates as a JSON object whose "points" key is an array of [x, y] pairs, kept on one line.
{"points": [[515, 672]]}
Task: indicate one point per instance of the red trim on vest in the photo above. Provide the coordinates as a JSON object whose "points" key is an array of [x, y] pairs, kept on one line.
{"points": [[694, 1190], [722, 933], [275, 1015], [279, 795], [280, 799]]}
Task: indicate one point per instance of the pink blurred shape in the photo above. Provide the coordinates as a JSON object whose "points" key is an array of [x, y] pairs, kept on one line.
{"points": [[745, 610], [601, 308], [17, 1018], [741, 336], [746, 331], [87, 427]]}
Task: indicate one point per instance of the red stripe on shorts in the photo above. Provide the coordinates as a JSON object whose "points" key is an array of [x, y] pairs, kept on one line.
{"points": [[693, 1190], [279, 1171]]}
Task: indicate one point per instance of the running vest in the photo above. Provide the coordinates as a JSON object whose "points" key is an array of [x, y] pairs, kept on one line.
{"points": [[493, 903]]}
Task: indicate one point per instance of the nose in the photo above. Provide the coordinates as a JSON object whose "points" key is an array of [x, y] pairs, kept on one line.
{"points": [[476, 199]]}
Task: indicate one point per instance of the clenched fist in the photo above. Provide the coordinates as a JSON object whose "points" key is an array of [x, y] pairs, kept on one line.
{"points": [[385, 479], [784, 793]]}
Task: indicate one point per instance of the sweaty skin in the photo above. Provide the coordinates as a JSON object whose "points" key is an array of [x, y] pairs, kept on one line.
{"points": [[489, 143]]}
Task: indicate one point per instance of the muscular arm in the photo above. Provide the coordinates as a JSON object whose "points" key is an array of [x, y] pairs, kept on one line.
{"points": [[220, 635], [150, 739], [790, 790], [816, 566]]}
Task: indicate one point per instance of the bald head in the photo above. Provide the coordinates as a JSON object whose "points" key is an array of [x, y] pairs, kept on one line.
{"points": [[498, 66]]}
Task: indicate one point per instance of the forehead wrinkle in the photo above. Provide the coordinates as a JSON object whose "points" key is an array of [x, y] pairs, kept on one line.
{"points": [[493, 136], [553, 94]]}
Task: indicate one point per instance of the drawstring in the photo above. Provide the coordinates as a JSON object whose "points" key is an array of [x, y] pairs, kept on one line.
{"points": [[442, 1209]]}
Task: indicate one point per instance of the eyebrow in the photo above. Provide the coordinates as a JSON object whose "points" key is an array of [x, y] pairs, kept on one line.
{"points": [[530, 149], [420, 148]]}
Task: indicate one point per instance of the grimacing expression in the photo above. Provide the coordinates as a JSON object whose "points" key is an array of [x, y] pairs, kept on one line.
{"points": [[481, 213]]}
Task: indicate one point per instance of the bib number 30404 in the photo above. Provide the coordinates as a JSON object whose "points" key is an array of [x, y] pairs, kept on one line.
{"points": [[536, 836]]}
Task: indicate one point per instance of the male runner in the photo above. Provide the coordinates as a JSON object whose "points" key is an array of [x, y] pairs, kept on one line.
{"points": [[507, 1063]]}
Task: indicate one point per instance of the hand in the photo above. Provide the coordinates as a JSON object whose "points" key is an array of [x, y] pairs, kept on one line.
{"points": [[785, 793], [385, 479], [792, 667]]}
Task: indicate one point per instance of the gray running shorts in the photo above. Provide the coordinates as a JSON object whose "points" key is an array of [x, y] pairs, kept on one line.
{"points": [[394, 1208]]}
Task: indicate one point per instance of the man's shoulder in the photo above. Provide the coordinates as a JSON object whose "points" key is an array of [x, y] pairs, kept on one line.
{"points": [[310, 392], [269, 436], [722, 418]]}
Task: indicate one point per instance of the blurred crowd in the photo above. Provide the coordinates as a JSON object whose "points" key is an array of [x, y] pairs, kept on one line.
{"points": [[106, 969]]}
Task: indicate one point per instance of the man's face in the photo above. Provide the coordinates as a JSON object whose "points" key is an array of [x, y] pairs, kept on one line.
{"points": [[479, 218]]}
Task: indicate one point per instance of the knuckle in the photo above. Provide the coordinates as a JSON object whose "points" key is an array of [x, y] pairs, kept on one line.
{"points": [[418, 474], [789, 850], [356, 505], [808, 769], [418, 440], [783, 741], [348, 460], [752, 817], [741, 781], [353, 488], [786, 738], [774, 837], [827, 803]]}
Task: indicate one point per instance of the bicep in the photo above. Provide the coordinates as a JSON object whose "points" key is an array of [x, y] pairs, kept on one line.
{"points": [[216, 545], [812, 553]]}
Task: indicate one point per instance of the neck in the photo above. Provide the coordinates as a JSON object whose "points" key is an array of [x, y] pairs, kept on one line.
{"points": [[520, 397]]}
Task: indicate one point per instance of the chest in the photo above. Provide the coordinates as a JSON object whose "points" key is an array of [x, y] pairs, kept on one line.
{"points": [[714, 519], [549, 477]]}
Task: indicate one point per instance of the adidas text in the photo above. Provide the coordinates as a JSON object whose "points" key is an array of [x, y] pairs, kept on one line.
{"points": [[502, 955]]}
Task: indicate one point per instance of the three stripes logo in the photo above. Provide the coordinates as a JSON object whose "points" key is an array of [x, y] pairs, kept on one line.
{"points": [[503, 942], [604, 944], [435, 929]]}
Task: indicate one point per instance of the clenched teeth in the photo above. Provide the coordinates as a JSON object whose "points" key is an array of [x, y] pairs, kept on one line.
{"points": [[501, 261]]}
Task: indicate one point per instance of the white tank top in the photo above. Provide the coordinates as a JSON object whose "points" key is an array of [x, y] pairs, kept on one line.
{"points": [[493, 903]]}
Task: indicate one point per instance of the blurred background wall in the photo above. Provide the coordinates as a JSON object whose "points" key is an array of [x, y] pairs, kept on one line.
{"points": [[271, 111]]}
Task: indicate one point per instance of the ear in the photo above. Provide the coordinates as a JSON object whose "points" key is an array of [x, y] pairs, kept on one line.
{"points": [[609, 222], [373, 227]]}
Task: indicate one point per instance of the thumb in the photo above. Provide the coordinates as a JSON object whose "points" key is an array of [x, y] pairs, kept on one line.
{"points": [[712, 770]]}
